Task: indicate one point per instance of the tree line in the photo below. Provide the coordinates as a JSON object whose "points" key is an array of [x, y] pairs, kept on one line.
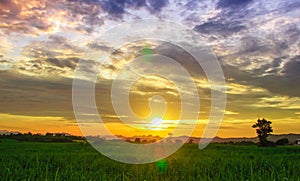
{"points": [[48, 137]]}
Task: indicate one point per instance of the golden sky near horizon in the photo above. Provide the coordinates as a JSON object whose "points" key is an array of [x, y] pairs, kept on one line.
{"points": [[256, 43]]}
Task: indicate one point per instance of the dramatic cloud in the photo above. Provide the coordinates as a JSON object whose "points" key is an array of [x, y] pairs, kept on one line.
{"points": [[291, 69], [157, 5], [30, 17], [220, 27], [232, 3], [54, 47], [256, 42]]}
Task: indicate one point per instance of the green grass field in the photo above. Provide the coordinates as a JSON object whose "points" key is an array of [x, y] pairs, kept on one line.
{"points": [[77, 161]]}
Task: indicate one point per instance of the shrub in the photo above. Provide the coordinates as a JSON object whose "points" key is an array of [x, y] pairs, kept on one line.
{"points": [[283, 141]]}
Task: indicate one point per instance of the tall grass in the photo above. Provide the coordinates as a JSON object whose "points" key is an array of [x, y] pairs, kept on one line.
{"points": [[75, 161]]}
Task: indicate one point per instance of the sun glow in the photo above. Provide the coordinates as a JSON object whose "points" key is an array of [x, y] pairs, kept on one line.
{"points": [[155, 124]]}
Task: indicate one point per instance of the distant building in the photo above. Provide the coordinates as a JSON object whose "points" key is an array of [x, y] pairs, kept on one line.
{"points": [[298, 141]]}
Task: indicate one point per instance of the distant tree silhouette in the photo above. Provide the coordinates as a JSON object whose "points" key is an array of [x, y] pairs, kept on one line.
{"points": [[137, 140], [263, 130], [170, 134], [49, 134]]}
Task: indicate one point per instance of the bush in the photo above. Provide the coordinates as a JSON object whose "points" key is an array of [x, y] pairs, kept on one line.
{"points": [[283, 141], [268, 144], [245, 143]]}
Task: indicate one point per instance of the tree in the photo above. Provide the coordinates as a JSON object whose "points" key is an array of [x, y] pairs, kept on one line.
{"points": [[263, 130]]}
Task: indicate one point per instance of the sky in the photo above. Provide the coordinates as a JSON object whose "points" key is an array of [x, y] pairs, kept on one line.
{"points": [[255, 42]]}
